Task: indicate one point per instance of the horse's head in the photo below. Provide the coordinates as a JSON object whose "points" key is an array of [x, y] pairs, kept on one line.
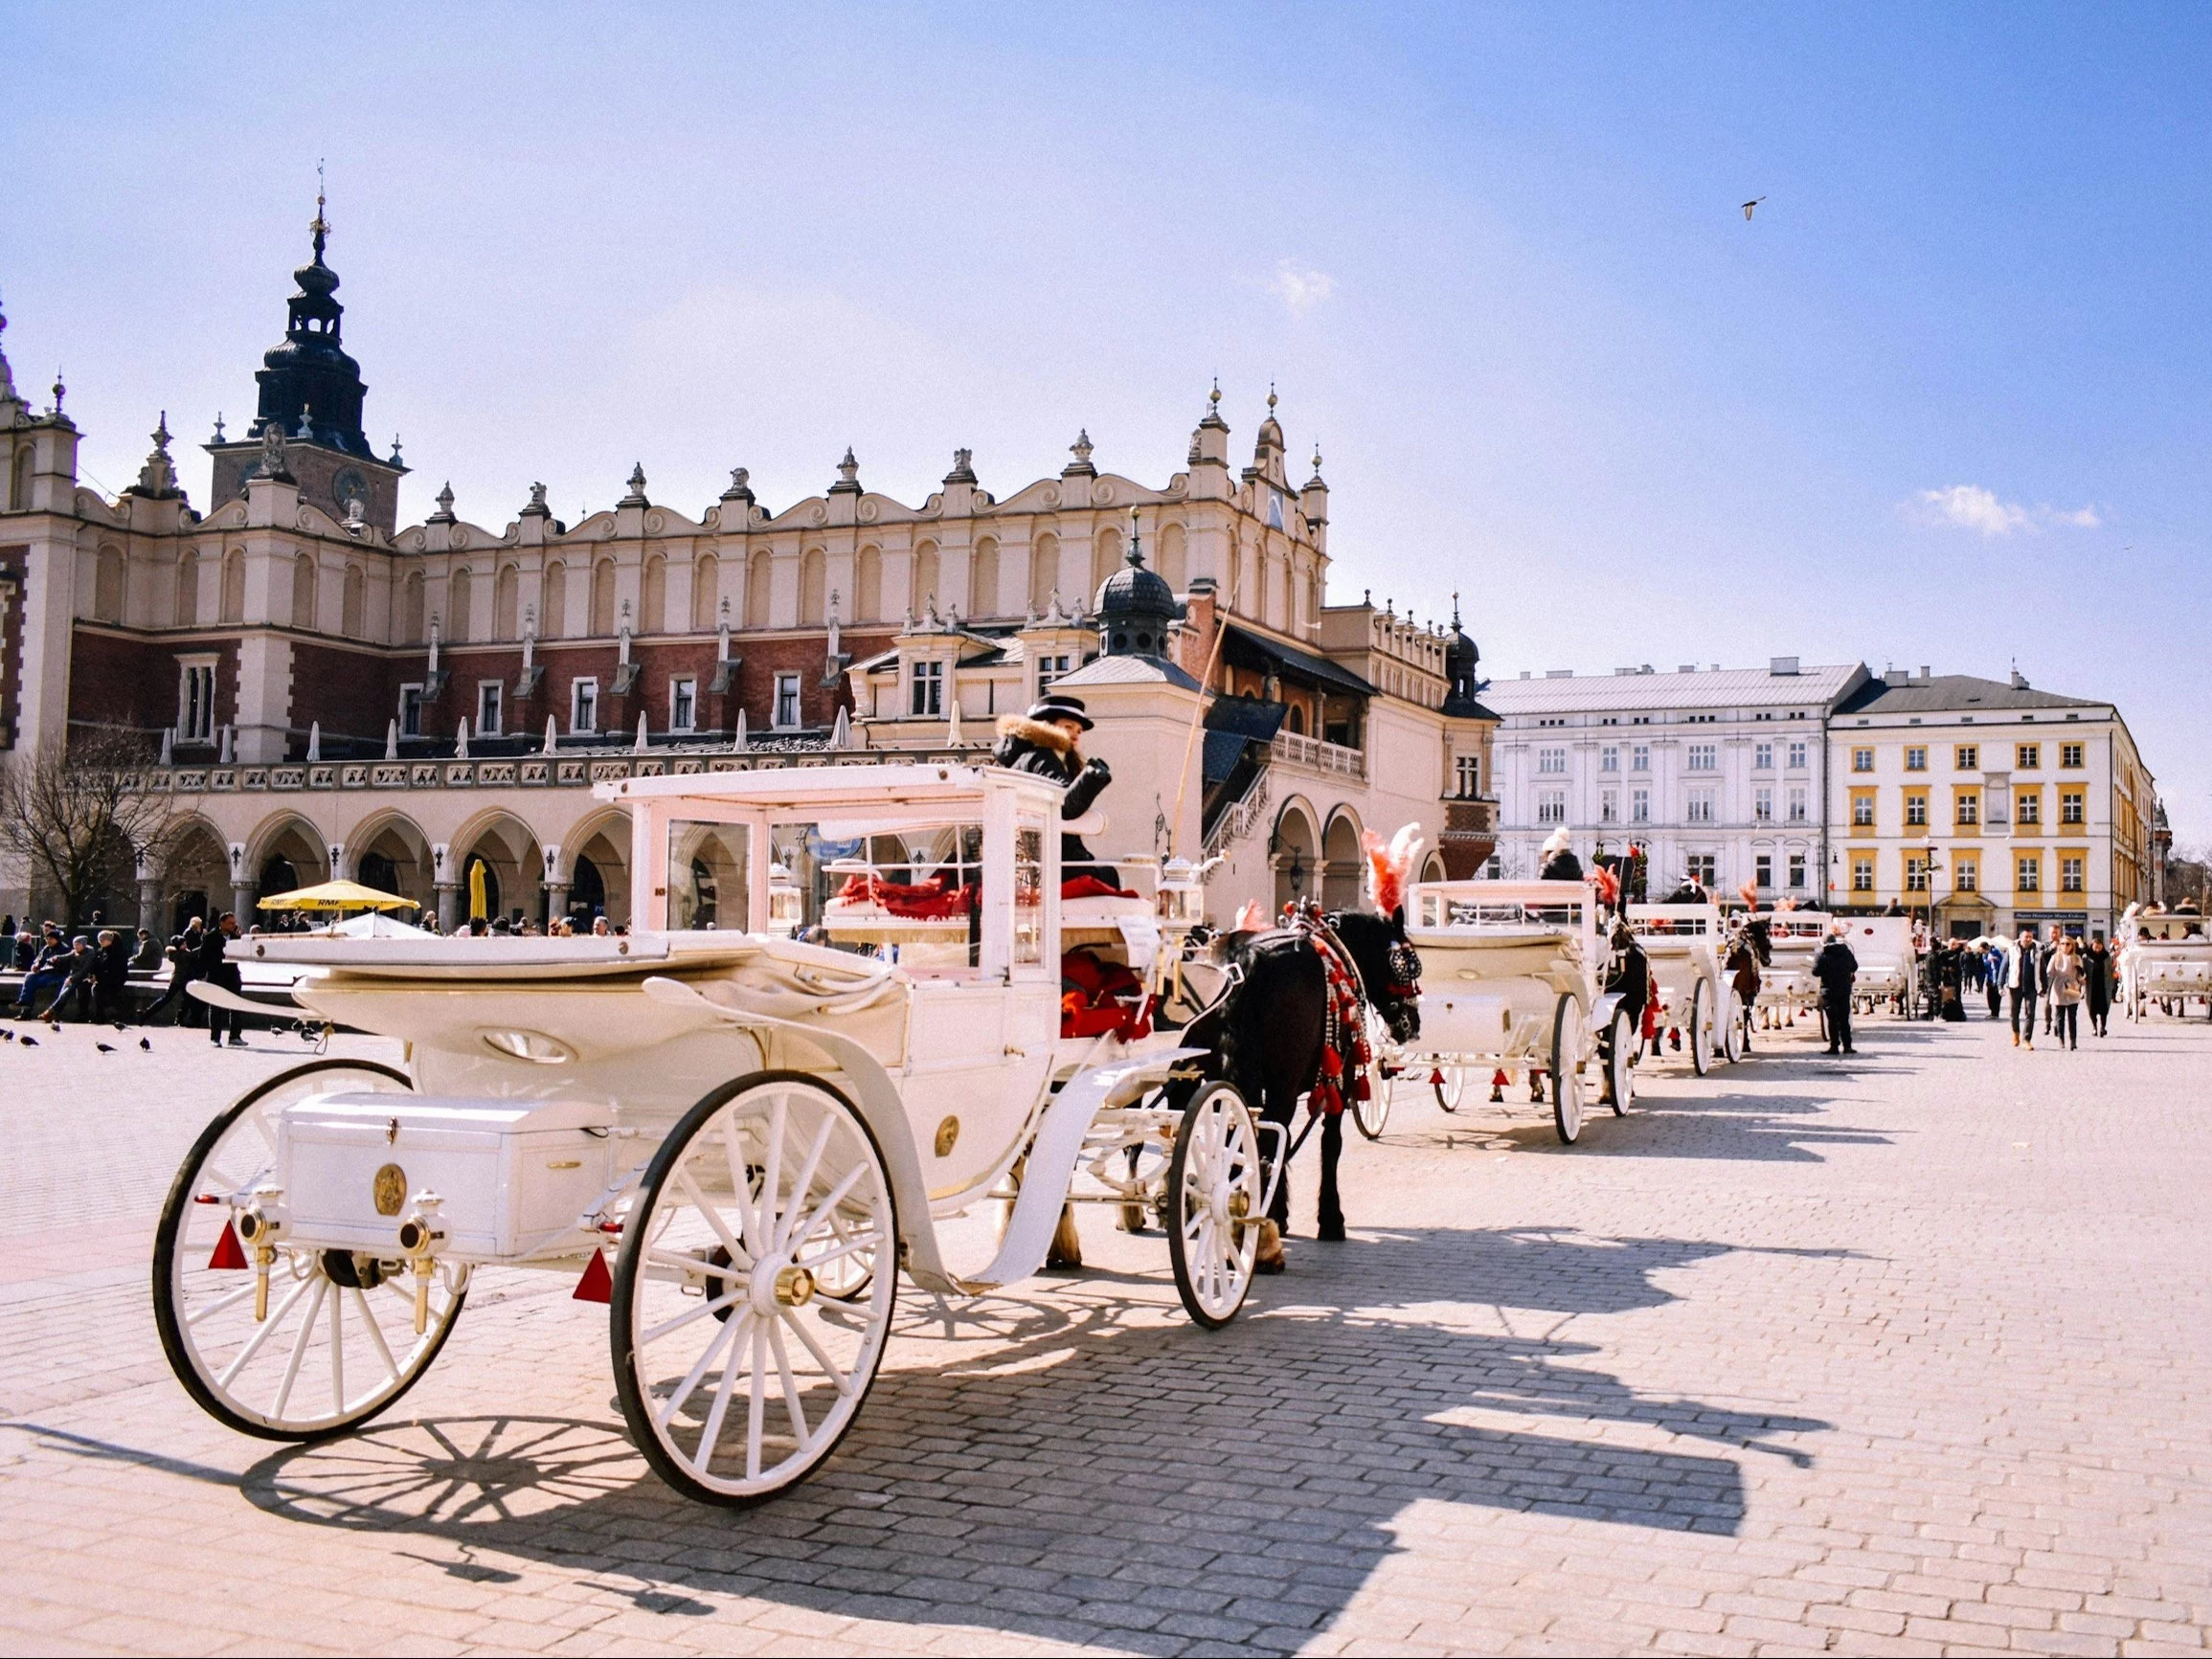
{"points": [[1760, 932], [1390, 967]]}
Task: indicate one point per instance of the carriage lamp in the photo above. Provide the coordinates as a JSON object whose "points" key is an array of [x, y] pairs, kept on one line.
{"points": [[784, 909], [1180, 901], [419, 1236]]}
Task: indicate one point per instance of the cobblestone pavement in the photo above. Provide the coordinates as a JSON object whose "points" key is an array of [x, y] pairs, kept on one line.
{"points": [[1901, 1354]]}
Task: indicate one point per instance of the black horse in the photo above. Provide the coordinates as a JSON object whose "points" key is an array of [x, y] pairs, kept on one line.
{"points": [[1753, 949], [1269, 1032]]}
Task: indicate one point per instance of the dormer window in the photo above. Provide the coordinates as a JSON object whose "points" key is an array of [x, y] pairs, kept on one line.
{"points": [[928, 695]]}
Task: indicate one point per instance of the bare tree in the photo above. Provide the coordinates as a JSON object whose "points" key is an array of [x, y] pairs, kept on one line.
{"points": [[81, 818]]}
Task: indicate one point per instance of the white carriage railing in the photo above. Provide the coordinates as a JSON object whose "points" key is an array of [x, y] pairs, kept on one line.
{"points": [[1311, 755]]}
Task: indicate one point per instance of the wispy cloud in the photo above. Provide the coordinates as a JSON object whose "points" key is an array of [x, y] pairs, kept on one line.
{"points": [[1967, 506], [1300, 287]]}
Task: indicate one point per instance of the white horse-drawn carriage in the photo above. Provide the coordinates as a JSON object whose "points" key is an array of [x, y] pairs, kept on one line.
{"points": [[1513, 977], [1786, 987], [2165, 961], [1691, 994], [1888, 951], [838, 1022]]}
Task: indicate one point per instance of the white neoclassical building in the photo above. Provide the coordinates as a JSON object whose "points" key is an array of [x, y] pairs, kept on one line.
{"points": [[1720, 774]]}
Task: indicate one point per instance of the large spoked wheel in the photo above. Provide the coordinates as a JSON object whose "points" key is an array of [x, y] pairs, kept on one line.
{"points": [[1619, 1059], [737, 1374], [331, 1341], [1731, 1025], [1702, 1029], [1567, 1070], [1214, 1187]]}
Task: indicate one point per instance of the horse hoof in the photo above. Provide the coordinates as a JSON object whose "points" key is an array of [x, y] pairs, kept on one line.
{"points": [[1270, 1257], [1331, 1235], [1056, 1263]]}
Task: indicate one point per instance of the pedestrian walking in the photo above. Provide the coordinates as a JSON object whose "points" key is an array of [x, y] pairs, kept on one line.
{"points": [[184, 954], [1836, 968], [2066, 991], [2050, 948], [2097, 986], [2025, 983], [1994, 968]]}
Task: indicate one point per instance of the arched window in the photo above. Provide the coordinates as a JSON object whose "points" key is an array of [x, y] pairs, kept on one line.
{"points": [[1173, 558], [983, 580], [653, 597], [602, 598], [705, 593], [555, 618], [304, 590], [355, 622], [188, 589], [759, 589], [1297, 720], [1044, 571], [867, 586], [233, 586], [1105, 560], [457, 605], [107, 586], [410, 609], [109, 578], [925, 578], [506, 603], [813, 584]]}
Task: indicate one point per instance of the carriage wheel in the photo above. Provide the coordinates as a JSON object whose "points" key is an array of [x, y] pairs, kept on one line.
{"points": [[1702, 1029], [1215, 1188], [1373, 1114], [1619, 1059], [1566, 1071], [1450, 1083], [1731, 1025], [736, 1375], [338, 1343]]}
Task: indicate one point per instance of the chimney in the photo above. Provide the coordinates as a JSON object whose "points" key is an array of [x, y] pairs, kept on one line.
{"points": [[2019, 681], [1926, 674], [1782, 665]]}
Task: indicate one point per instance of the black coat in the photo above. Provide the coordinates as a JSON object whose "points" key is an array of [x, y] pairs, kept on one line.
{"points": [[1561, 867], [1835, 967], [1031, 745]]}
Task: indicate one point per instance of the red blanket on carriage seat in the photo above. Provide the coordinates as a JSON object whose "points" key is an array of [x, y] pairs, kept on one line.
{"points": [[1097, 995], [1092, 888], [935, 899]]}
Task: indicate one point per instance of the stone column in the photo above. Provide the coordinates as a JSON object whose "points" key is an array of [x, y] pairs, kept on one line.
{"points": [[242, 897], [448, 905], [557, 902], [149, 905]]}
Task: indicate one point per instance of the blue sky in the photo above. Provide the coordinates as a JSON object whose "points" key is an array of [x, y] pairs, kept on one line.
{"points": [[1943, 400]]}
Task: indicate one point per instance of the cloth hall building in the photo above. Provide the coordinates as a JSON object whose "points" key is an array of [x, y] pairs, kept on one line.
{"points": [[323, 691]]}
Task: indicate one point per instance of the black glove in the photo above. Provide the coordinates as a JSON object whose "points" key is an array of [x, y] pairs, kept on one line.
{"points": [[1090, 783]]}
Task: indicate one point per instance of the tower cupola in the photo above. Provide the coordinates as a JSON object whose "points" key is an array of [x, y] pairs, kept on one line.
{"points": [[1137, 608]]}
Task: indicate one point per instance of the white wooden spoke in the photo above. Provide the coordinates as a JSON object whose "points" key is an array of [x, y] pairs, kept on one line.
{"points": [[268, 1327], [843, 1384], [700, 1311], [791, 1402], [837, 1196], [376, 1335], [299, 1348], [208, 1310], [805, 1184], [768, 1231], [714, 1216], [741, 1186], [337, 1303], [684, 1390]]}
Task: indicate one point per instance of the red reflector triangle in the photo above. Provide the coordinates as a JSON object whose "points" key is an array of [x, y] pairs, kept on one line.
{"points": [[596, 1285], [229, 1252]]}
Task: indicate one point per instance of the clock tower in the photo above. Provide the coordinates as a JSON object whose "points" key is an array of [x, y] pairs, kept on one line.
{"points": [[311, 392]]}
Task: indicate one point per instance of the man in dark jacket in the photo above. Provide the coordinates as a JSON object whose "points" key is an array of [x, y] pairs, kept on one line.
{"points": [[223, 975], [1836, 968], [1559, 862], [184, 954], [1044, 741], [111, 977]]}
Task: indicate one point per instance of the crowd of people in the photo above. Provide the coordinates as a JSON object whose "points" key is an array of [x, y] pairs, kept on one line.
{"points": [[2051, 980]]}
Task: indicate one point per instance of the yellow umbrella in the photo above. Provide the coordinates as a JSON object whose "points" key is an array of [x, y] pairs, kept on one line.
{"points": [[476, 910], [338, 896]]}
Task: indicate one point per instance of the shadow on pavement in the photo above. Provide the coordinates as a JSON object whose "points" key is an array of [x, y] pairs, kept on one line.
{"points": [[1083, 1473]]}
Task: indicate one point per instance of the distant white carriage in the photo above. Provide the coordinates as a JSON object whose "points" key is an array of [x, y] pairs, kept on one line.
{"points": [[838, 1022], [1684, 945], [1786, 987], [2165, 961], [1886, 949], [1513, 975]]}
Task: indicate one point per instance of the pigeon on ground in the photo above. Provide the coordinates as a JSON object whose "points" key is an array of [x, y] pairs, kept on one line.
{"points": [[119, 1026], [6, 1036], [147, 1043], [28, 1042], [105, 1047]]}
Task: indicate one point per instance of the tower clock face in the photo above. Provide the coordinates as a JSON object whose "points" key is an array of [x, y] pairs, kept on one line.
{"points": [[350, 486]]}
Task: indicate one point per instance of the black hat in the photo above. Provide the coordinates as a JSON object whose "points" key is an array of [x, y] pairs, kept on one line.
{"points": [[1057, 705]]}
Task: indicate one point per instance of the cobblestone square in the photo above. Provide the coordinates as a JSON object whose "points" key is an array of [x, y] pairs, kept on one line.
{"points": [[1899, 1355]]}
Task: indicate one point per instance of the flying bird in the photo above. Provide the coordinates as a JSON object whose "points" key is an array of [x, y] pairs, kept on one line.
{"points": [[1752, 203]]}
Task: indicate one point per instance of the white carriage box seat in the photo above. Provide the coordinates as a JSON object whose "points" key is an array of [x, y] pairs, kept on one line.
{"points": [[1682, 942], [767, 1097]]}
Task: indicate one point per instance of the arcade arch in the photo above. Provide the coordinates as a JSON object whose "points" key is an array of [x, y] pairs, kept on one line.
{"points": [[1292, 849], [1341, 861]]}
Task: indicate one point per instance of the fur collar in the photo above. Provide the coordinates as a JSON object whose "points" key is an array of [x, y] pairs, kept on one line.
{"points": [[1036, 731]]}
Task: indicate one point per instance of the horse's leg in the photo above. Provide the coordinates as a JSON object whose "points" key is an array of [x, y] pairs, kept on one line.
{"points": [[1331, 1227]]}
